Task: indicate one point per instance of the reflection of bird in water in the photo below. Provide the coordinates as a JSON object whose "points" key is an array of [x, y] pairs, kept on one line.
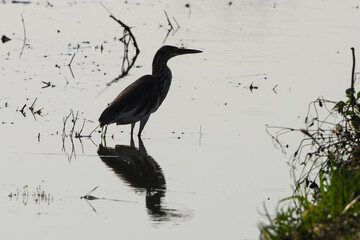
{"points": [[141, 171], [145, 95]]}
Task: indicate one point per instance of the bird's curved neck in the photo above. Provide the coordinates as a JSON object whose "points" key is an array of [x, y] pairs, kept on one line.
{"points": [[160, 69], [162, 73]]}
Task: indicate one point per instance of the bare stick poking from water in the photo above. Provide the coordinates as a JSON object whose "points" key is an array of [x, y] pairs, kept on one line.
{"points": [[94, 130], [91, 197], [22, 110], [126, 39], [64, 121], [88, 196], [71, 60], [252, 86], [67, 82], [33, 105], [126, 28], [32, 109], [178, 26], [274, 89], [82, 127], [73, 132], [74, 119], [69, 65], [78, 135], [171, 27], [24, 43]]}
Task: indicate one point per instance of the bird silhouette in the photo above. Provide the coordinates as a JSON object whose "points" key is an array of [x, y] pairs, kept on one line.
{"points": [[144, 96]]}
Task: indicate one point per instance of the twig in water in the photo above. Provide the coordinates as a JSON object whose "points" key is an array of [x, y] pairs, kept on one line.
{"points": [[82, 127], [74, 119], [67, 82], [22, 110], [64, 121], [38, 112], [171, 26], [24, 43], [89, 197], [71, 60], [126, 28], [78, 134], [69, 65], [253, 87], [32, 109], [275, 88], [72, 132], [126, 64], [32, 105], [92, 207], [46, 84], [94, 130], [73, 153], [81, 144], [20, 2], [48, 4], [178, 26], [201, 134]]}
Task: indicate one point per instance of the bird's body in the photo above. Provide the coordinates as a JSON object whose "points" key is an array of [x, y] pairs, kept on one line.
{"points": [[145, 95]]}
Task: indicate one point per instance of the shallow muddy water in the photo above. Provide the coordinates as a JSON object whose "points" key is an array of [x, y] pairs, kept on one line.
{"points": [[205, 165]]}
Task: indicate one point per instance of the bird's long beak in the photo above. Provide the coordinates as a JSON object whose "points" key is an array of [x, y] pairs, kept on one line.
{"points": [[187, 51]]}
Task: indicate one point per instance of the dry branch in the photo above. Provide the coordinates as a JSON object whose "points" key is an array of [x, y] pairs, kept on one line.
{"points": [[127, 38]]}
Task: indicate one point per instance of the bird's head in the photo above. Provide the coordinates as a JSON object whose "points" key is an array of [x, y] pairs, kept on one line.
{"points": [[166, 52]]}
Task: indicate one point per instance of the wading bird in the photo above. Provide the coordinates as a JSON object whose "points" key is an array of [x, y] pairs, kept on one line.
{"points": [[145, 95]]}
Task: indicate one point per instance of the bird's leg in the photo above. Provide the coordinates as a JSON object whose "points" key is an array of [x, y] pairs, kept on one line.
{"points": [[142, 147], [104, 133], [132, 128], [132, 144], [104, 139], [143, 121]]}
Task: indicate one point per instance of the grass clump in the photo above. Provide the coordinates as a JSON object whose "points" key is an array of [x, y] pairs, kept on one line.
{"points": [[331, 212], [326, 199]]}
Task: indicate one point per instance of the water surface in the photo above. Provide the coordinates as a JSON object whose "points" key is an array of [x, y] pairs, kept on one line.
{"points": [[205, 165]]}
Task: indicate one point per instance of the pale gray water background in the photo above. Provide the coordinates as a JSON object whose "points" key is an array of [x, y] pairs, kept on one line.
{"points": [[217, 178]]}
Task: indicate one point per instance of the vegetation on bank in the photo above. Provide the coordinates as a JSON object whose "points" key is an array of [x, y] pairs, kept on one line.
{"points": [[326, 199]]}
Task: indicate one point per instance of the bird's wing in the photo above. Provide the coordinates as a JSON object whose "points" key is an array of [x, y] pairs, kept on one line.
{"points": [[137, 100]]}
